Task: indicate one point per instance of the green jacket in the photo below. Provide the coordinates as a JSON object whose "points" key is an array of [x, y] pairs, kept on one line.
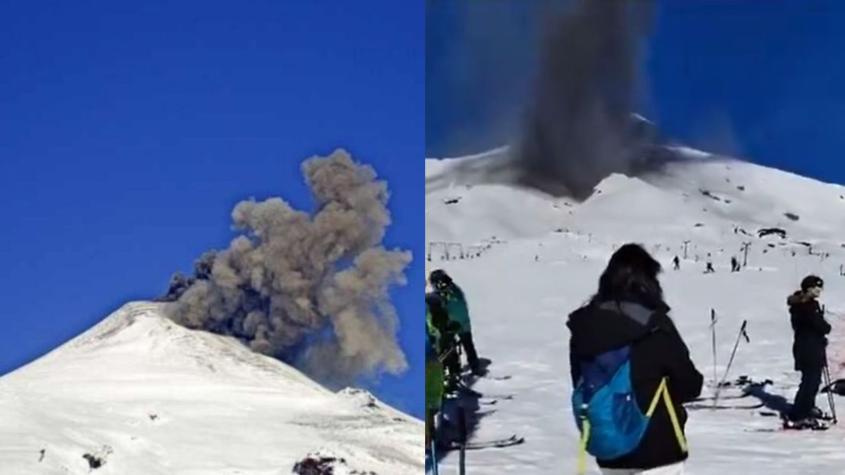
{"points": [[433, 367], [456, 306], [432, 334]]}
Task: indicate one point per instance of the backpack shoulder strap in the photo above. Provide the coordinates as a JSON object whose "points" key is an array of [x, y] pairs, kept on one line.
{"points": [[663, 390]]}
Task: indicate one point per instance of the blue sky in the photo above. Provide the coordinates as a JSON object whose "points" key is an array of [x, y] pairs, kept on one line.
{"points": [[128, 131], [762, 80]]}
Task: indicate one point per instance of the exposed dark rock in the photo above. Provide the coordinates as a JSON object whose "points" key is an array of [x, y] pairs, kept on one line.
{"points": [[767, 231], [94, 462], [316, 465], [708, 194]]}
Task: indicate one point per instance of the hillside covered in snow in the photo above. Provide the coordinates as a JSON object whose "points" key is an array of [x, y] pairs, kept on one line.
{"points": [[526, 259], [138, 394]]}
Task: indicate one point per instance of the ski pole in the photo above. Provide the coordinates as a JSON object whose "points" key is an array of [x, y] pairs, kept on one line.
{"points": [[827, 376], [713, 335], [462, 436], [829, 390], [434, 458], [742, 333], [442, 358]]}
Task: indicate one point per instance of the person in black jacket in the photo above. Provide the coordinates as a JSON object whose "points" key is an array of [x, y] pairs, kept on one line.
{"points": [[809, 347], [628, 309]]}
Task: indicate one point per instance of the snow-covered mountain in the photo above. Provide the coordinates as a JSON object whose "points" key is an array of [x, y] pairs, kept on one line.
{"points": [[138, 394], [530, 258]]}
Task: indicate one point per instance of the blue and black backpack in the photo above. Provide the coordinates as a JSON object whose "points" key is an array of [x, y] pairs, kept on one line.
{"points": [[611, 422]]}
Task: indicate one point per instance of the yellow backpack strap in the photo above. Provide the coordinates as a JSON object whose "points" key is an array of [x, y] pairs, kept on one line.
{"points": [[661, 393], [663, 390], [582, 446]]}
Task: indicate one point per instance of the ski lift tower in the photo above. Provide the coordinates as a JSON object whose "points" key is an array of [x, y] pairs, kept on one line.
{"points": [[745, 246]]}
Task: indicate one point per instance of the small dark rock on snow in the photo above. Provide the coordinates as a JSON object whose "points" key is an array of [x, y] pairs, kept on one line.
{"points": [[93, 461]]}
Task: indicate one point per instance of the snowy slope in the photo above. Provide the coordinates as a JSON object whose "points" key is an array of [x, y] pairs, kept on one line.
{"points": [[151, 397], [545, 262]]}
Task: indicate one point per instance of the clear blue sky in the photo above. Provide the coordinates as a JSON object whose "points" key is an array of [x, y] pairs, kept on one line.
{"points": [[128, 130], [763, 80]]}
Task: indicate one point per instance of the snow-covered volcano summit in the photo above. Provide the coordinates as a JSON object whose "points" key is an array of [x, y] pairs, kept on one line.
{"points": [[526, 259], [138, 394], [474, 197]]}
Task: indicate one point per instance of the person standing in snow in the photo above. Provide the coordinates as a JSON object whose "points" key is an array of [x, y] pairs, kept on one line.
{"points": [[433, 366], [444, 334], [628, 313], [709, 266], [677, 263], [808, 349], [458, 310]]}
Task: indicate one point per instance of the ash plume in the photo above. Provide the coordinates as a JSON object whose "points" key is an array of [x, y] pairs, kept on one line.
{"points": [[309, 289], [580, 126]]}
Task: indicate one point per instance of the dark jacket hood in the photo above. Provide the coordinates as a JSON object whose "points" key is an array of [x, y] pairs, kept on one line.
{"points": [[799, 297], [603, 326]]}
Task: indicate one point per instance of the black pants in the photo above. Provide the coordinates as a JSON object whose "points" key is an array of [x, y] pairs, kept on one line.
{"points": [[452, 360], [469, 349], [805, 398]]}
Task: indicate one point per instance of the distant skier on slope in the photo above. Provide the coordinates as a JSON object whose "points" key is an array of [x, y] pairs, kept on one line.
{"points": [[808, 349], [458, 310], [677, 263], [624, 341]]}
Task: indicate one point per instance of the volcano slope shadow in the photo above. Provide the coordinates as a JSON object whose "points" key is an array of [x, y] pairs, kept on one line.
{"points": [[468, 404]]}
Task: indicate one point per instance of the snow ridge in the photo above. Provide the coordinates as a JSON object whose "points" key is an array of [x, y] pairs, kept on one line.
{"points": [[147, 396]]}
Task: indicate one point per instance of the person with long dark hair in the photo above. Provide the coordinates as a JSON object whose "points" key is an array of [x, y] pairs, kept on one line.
{"points": [[631, 371]]}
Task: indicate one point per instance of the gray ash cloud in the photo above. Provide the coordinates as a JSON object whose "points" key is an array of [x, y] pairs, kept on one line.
{"points": [[311, 289], [580, 126]]}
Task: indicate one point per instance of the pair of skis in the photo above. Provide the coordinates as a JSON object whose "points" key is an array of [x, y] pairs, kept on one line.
{"points": [[788, 426], [474, 445], [490, 444], [696, 406], [462, 446]]}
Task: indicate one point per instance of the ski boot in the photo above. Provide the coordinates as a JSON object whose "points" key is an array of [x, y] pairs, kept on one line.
{"points": [[808, 423], [817, 413]]}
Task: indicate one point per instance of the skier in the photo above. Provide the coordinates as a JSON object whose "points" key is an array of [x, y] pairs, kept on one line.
{"points": [[625, 329], [808, 349], [456, 307], [709, 267], [444, 334], [677, 263], [433, 369]]}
